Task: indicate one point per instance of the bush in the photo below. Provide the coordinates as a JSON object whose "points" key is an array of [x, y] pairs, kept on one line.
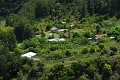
{"points": [[57, 55], [103, 52], [68, 53], [101, 46], [88, 34], [107, 68], [85, 50], [113, 50], [104, 39], [92, 50], [118, 39]]}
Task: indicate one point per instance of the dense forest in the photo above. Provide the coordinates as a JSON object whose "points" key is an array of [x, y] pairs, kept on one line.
{"points": [[72, 39]]}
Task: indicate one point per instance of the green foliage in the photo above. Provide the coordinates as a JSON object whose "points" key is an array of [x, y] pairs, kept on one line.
{"points": [[76, 35], [114, 49], [107, 68], [30, 43], [10, 6], [43, 8], [40, 66], [88, 17], [101, 46], [84, 77], [104, 39], [12, 20], [88, 34], [23, 30], [68, 53], [56, 72], [25, 68], [12, 43], [20, 75], [80, 40], [84, 9], [91, 71], [57, 55], [3, 64], [78, 69], [90, 7], [92, 50], [18, 52], [8, 39], [98, 29], [28, 10], [85, 50], [104, 51]]}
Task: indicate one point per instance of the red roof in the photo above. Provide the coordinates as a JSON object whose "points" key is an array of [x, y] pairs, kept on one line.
{"points": [[100, 35], [52, 29]]}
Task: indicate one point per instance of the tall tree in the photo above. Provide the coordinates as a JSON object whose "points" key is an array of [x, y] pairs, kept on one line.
{"points": [[84, 9], [24, 29], [10, 6], [42, 9], [90, 7], [8, 39], [12, 43]]}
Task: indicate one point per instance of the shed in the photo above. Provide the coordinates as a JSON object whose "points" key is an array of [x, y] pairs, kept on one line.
{"points": [[54, 30], [97, 36], [29, 54], [56, 39]]}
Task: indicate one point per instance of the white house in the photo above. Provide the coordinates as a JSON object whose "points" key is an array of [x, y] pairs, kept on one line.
{"points": [[29, 54]]}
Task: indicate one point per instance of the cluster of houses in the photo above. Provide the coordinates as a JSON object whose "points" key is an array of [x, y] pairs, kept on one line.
{"points": [[64, 36], [57, 30], [98, 36]]}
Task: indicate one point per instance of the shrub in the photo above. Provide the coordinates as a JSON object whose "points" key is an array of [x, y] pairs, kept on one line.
{"points": [[91, 71], [88, 34], [101, 46], [84, 77], [107, 68], [57, 55], [85, 50], [104, 39], [103, 51], [113, 50], [118, 39], [92, 50], [74, 52], [68, 53]]}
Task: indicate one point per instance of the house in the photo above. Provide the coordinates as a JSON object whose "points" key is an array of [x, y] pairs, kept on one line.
{"points": [[63, 22], [112, 37], [54, 30], [97, 36], [56, 39], [29, 54], [62, 30]]}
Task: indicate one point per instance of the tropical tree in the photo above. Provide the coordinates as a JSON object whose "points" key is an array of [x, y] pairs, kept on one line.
{"points": [[24, 29]]}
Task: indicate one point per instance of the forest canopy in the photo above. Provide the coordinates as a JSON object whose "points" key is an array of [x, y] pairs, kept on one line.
{"points": [[72, 39]]}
